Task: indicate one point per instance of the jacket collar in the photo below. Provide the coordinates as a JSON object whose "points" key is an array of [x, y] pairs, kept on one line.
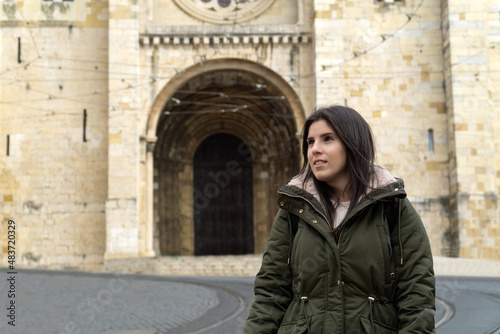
{"points": [[384, 186]]}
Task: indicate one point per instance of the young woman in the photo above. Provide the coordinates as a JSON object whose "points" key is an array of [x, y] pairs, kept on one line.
{"points": [[357, 259]]}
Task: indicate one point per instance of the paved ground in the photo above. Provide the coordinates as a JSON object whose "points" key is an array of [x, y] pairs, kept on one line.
{"points": [[58, 302], [63, 302], [473, 305]]}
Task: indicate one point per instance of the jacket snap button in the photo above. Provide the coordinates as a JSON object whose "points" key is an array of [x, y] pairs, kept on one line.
{"points": [[315, 221], [342, 283], [301, 210], [396, 189], [281, 204]]}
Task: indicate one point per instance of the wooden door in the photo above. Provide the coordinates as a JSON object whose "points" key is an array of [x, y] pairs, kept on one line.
{"points": [[223, 199]]}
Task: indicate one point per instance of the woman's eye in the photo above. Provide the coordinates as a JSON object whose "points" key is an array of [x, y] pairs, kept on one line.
{"points": [[328, 138], [310, 142]]}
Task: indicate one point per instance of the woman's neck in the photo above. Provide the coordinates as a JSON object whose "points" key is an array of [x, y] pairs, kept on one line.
{"points": [[340, 184]]}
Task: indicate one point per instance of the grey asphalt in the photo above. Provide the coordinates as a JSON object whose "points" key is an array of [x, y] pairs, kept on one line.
{"points": [[475, 304], [61, 302]]}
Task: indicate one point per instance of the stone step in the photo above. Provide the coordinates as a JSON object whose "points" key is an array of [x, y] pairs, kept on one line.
{"points": [[245, 265]]}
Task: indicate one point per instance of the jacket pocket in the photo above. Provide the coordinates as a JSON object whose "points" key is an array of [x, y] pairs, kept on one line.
{"points": [[385, 245], [296, 240], [388, 261], [379, 327], [299, 327]]}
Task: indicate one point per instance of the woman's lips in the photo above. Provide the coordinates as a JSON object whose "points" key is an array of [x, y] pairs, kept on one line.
{"points": [[319, 163]]}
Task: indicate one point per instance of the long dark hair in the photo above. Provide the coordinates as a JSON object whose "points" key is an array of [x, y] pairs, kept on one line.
{"points": [[355, 133]]}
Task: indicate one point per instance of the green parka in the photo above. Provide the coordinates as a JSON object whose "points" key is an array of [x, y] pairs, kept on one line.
{"points": [[363, 279]]}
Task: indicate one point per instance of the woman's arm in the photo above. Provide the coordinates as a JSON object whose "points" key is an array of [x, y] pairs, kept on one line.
{"points": [[273, 288], [415, 295]]}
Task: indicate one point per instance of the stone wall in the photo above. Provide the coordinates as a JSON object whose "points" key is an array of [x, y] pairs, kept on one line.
{"points": [[471, 35], [385, 60], [53, 179]]}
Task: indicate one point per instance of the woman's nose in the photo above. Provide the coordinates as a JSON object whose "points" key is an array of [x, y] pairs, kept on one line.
{"points": [[315, 148]]}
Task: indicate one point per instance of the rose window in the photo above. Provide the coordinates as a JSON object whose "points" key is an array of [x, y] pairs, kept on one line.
{"points": [[224, 11]]}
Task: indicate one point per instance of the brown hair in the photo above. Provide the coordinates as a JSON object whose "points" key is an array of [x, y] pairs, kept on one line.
{"points": [[355, 133]]}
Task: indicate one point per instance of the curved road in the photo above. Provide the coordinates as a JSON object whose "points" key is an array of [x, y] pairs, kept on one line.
{"points": [[468, 305]]}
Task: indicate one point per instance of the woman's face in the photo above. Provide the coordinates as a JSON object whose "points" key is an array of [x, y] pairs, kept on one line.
{"points": [[327, 155]]}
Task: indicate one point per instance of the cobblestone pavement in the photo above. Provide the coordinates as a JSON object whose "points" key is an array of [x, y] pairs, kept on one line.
{"points": [[69, 303]]}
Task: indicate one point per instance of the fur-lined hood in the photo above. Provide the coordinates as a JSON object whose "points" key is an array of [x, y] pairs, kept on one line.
{"points": [[381, 178]]}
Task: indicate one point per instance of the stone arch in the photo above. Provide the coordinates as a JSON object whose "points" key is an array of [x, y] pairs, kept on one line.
{"points": [[236, 97], [224, 64]]}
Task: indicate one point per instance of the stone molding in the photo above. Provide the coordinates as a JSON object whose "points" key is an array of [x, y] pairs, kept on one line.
{"points": [[155, 39]]}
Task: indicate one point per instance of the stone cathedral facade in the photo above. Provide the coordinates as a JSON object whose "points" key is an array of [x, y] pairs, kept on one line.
{"points": [[141, 128]]}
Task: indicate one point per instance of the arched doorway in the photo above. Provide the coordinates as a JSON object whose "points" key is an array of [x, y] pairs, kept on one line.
{"points": [[223, 199], [225, 97]]}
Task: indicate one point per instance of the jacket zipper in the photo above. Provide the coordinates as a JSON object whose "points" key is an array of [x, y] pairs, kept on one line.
{"points": [[305, 199], [340, 236]]}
